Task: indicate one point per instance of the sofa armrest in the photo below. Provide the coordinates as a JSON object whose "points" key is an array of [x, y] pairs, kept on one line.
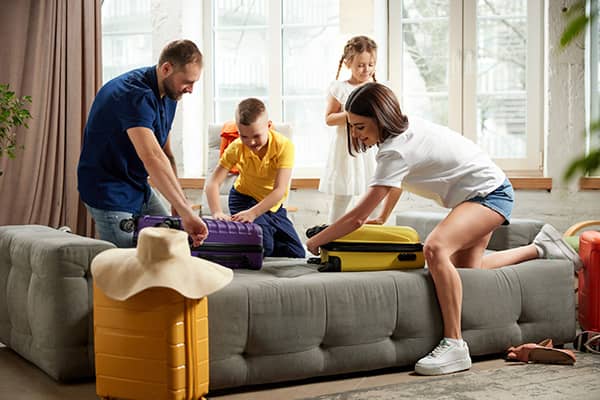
{"points": [[46, 298], [520, 232]]}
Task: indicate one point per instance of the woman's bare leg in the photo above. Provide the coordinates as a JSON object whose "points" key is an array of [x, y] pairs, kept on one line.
{"points": [[509, 257], [465, 227]]}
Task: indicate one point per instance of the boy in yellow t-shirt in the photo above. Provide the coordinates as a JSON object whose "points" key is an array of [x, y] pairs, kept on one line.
{"points": [[264, 159]]}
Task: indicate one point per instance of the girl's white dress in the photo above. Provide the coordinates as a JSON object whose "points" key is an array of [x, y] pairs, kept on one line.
{"points": [[343, 173]]}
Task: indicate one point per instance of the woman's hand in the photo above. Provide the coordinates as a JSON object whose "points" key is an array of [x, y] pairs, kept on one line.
{"points": [[312, 247], [376, 221]]}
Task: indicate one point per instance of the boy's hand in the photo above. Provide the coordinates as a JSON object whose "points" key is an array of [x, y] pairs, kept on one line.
{"points": [[244, 216], [222, 216]]}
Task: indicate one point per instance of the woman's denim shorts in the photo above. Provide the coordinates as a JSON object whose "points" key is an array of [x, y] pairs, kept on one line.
{"points": [[500, 200]]}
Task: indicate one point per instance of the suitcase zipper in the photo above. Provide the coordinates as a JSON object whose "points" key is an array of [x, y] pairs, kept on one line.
{"points": [[366, 247], [229, 247]]}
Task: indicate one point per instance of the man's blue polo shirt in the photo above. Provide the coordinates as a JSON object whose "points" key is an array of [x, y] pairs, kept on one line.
{"points": [[110, 174]]}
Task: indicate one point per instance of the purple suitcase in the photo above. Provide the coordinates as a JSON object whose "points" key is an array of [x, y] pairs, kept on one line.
{"points": [[229, 243]]}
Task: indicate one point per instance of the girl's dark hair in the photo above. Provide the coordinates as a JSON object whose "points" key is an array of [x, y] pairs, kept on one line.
{"points": [[355, 46], [180, 53], [377, 101]]}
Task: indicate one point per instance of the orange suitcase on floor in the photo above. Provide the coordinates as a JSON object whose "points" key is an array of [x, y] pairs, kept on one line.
{"points": [[153, 345], [589, 281]]}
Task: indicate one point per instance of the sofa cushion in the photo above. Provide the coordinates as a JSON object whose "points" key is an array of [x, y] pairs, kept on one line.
{"points": [[519, 232]]}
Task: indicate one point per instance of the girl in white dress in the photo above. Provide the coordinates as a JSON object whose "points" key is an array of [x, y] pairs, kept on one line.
{"points": [[346, 176]]}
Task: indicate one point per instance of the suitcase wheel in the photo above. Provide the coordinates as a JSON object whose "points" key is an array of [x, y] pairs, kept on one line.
{"points": [[332, 265], [169, 223], [127, 225]]}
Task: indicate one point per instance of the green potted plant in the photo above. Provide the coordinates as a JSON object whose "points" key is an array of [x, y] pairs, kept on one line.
{"points": [[12, 115]]}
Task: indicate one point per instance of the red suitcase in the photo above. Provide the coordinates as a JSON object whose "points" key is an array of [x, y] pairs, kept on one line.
{"points": [[589, 281]]}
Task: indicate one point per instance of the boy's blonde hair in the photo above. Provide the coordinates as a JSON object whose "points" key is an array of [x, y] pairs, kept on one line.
{"points": [[354, 46], [248, 111]]}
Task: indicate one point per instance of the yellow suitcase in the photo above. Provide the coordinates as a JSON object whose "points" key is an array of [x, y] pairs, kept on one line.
{"points": [[373, 248], [153, 345]]}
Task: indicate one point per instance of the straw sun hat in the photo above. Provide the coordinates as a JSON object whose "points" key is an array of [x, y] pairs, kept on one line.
{"points": [[162, 259]]}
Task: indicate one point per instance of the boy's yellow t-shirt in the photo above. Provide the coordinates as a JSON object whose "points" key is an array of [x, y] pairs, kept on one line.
{"points": [[257, 177]]}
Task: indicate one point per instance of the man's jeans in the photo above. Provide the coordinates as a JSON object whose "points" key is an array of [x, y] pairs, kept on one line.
{"points": [[108, 222]]}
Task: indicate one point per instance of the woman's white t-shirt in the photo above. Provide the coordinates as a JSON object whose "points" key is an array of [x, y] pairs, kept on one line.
{"points": [[437, 163], [343, 173]]}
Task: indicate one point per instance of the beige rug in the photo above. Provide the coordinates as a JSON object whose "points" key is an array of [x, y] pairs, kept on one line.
{"points": [[513, 381]]}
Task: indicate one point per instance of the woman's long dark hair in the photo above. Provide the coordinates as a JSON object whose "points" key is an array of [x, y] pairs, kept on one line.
{"points": [[377, 101]]}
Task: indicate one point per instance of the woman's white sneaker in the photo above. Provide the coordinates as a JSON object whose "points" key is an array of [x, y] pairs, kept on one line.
{"points": [[550, 245], [449, 356]]}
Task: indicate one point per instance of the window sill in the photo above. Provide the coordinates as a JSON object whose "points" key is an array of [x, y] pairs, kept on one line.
{"points": [[531, 183], [589, 183], [519, 183]]}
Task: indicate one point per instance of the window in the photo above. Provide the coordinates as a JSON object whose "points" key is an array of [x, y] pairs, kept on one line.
{"points": [[474, 65], [126, 36], [285, 53]]}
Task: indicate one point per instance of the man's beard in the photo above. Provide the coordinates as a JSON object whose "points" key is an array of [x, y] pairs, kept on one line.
{"points": [[170, 92]]}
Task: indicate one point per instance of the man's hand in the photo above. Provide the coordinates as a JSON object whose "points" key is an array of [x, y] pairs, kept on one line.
{"points": [[244, 216], [221, 215], [196, 228]]}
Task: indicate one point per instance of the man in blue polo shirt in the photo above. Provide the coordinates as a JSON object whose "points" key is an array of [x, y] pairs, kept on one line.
{"points": [[126, 139]]}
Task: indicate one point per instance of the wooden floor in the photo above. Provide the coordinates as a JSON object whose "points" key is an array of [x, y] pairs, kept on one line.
{"points": [[21, 380]]}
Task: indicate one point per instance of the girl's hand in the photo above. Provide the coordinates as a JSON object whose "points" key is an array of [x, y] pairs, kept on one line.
{"points": [[222, 216], [244, 216], [310, 245]]}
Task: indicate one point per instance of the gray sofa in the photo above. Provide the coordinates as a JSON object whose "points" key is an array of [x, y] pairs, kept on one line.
{"points": [[287, 321]]}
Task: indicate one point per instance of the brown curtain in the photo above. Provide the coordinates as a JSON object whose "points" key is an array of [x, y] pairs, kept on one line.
{"points": [[51, 51]]}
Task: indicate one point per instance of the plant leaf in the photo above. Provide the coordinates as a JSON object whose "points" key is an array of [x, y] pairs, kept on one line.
{"points": [[573, 29]]}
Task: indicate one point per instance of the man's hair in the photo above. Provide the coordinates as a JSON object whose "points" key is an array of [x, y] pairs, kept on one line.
{"points": [[249, 110], [180, 53]]}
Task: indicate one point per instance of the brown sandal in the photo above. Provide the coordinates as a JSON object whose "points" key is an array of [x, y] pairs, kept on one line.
{"points": [[542, 352], [521, 353], [546, 355]]}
